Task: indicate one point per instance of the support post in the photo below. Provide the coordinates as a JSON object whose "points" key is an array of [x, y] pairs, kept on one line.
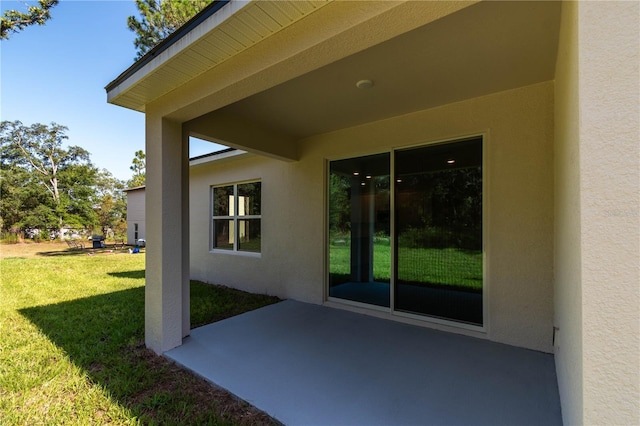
{"points": [[167, 274]]}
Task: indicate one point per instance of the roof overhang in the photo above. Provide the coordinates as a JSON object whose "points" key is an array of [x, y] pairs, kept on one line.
{"points": [[135, 188], [260, 75], [220, 31], [218, 157]]}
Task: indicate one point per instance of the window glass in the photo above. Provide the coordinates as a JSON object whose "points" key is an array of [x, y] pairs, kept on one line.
{"points": [[359, 225], [249, 199], [223, 201], [436, 246], [249, 235], [439, 231], [224, 234]]}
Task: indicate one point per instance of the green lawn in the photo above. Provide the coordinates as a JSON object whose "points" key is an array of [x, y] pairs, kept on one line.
{"points": [[72, 347], [443, 267]]}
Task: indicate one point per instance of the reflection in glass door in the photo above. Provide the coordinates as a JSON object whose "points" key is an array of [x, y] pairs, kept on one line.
{"points": [[438, 244], [359, 224]]}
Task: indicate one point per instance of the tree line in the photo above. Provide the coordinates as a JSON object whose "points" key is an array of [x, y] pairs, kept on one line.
{"points": [[47, 188]]}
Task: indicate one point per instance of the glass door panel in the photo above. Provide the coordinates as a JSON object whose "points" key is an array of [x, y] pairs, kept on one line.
{"points": [[359, 229], [438, 244]]}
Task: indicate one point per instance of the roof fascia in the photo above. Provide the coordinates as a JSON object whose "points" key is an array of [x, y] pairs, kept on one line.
{"points": [[135, 188], [171, 40], [217, 157]]}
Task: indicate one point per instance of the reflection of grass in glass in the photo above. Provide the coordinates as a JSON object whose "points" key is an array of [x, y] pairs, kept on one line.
{"points": [[250, 245], [447, 266]]}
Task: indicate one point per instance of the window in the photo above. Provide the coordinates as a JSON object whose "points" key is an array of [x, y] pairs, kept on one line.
{"points": [[135, 232], [236, 217]]}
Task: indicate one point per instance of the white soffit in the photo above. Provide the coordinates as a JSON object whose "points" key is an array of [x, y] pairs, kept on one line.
{"points": [[234, 28]]}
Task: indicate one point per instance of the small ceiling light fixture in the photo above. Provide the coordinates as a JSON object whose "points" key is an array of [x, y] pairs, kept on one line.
{"points": [[368, 176], [364, 84], [399, 180], [362, 183], [451, 161], [356, 173]]}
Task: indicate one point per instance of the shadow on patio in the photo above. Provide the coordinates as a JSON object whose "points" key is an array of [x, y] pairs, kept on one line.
{"points": [[312, 365]]}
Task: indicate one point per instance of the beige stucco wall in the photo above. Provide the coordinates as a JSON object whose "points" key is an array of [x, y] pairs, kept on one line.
{"points": [[609, 51], [519, 170], [167, 318], [597, 289], [568, 262], [609, 41], [135, 214], [291, 262]]}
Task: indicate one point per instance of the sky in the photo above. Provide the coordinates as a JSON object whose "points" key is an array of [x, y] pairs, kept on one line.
{"points": [[57, 73]]}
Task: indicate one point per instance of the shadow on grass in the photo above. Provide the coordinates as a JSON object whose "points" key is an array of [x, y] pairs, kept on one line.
{"points": [[84, 252], [67, 252], [128, 274], [103, 335]]}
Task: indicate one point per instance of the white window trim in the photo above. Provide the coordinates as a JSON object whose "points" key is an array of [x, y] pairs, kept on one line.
{"points": [[235, 218]]}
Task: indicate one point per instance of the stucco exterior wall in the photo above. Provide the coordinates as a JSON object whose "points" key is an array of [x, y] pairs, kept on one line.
{"points": [[167, 302], [518, 126], [291, 240], [135, 214], [609, 47], [568, 262], [597, 272]]}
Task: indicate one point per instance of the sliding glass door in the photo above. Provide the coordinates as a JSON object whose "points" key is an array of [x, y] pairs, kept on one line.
{"points": [[436, 246], [359, 223]]}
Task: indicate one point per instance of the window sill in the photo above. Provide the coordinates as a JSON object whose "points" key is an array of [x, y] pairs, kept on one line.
{"points": [[236, 253]]}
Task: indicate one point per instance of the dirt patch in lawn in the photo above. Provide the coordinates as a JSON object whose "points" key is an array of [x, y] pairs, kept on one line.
{"points": [[28, 250]]}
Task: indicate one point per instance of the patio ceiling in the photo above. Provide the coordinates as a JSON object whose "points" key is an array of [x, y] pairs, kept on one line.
{"points": [[260, 76], [482, 49]]}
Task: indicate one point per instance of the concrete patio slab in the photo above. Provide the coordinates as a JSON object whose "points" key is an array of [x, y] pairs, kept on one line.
{"points": [[305, 364]]}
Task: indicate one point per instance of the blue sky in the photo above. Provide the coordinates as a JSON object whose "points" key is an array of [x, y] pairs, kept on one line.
{"points": [[57, 73]]}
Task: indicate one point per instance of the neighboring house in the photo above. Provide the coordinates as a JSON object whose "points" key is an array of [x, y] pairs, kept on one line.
{"points": [[501, 136], [135, 215], [136, 198]]}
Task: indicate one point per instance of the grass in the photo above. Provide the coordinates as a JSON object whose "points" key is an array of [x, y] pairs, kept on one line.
{"points": [[72, 347], [431, 266]]}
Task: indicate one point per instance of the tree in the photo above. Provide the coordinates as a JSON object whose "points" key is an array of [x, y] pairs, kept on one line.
{"points": [[17, 197], [138, 166], [52, 186], [110, 204], [159, 18], [14, 21]]}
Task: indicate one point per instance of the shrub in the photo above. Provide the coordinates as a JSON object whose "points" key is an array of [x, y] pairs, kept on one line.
{"points": [[9, 238]]}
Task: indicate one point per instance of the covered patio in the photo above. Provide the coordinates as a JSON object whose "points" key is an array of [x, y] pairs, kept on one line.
{"points": [[551, 90], [306, 364]]}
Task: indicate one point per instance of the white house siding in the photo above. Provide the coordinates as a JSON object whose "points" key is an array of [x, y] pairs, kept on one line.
{"points": [[518, 129], [135, 214]]}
